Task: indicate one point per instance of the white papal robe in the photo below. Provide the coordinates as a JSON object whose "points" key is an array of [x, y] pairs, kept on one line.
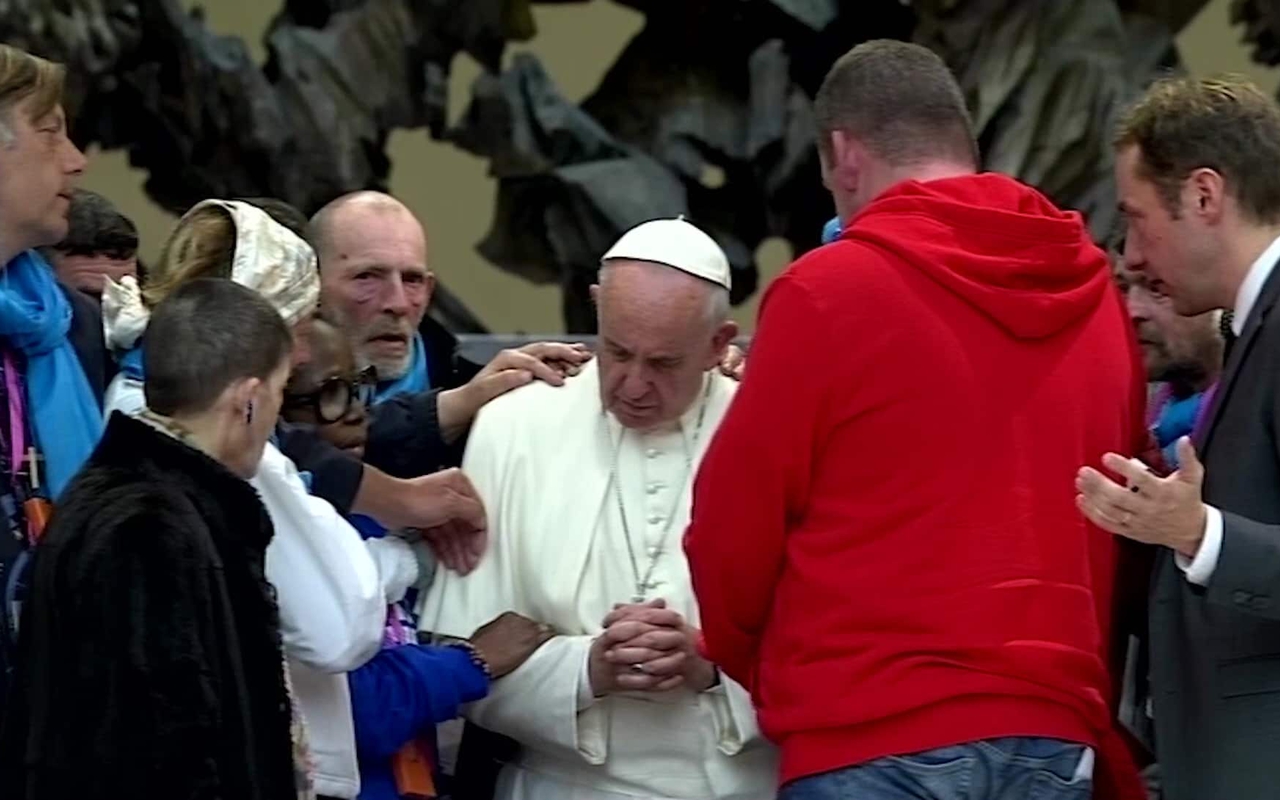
{"points": [[540, 459]]}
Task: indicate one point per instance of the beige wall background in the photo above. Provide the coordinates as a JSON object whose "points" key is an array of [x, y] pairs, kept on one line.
{"points": [[453, 195]]}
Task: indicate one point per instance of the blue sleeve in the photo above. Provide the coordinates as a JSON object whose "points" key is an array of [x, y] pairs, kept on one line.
{"points": [[404, 689]]}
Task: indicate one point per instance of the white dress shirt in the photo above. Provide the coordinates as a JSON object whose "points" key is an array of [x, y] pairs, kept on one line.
{"points": [[1199, 570]]}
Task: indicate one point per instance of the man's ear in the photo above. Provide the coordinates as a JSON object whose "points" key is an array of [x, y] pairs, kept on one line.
{"points": [[725, 334], [1206, 193], [429, 285], [720, 341], [595, 294], [846, 162], [242, 396]]}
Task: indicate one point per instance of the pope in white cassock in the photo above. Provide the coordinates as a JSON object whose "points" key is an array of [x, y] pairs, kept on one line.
{"points": [[587, 491]]}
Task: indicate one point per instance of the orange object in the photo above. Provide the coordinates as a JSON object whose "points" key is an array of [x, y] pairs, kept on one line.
{"points": [[37, 511], [413, 770]]}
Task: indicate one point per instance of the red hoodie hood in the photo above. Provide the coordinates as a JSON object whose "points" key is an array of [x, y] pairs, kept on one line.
{"points": [[1000, 245]]}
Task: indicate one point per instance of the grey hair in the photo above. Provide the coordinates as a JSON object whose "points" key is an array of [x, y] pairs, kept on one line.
{"points": [[718, 310]]}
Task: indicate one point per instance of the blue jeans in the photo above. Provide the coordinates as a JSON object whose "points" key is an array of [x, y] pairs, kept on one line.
{"points": [[995, 769]]}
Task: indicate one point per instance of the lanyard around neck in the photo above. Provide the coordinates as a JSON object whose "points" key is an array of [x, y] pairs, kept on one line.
{"points": [[17, 431]]}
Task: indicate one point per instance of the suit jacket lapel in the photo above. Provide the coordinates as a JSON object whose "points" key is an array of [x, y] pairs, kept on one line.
{"points": [[1252, 327]]}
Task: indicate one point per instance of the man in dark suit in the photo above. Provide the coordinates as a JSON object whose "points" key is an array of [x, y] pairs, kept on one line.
{"points": [[1198, 174]]}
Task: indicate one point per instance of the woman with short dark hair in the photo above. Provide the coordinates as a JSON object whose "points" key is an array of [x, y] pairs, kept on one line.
{"points": [[151, 663]]}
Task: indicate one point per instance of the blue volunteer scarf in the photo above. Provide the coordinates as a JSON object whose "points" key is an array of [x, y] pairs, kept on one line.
{"points": [[130, 362], [35, 317], [1177, 418], [832, 230], [413, 381]]}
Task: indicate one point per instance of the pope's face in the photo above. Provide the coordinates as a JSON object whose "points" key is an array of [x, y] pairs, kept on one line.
{"points": [[658, 338]]}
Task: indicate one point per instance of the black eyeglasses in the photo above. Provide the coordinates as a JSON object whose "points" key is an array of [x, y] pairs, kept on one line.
{"points": [[333, 399]]}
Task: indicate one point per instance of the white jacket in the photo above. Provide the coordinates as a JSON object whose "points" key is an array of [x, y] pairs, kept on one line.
{"points": [[332, 589]]}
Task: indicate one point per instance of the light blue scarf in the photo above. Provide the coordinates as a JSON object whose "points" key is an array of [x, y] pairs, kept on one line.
{"points": [[832, 230], [35, 317], [414, 381], [131, 361]]}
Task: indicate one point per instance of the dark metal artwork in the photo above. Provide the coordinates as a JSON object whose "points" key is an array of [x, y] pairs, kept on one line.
{"points": [[706, 112], [1261, 20]]}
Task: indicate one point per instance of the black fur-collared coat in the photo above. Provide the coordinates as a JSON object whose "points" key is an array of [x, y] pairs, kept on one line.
{"points": [[149, 657]]}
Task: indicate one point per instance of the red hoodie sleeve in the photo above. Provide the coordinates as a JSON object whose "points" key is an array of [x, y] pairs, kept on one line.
{"points": [[754, 479], [1116, 777]]}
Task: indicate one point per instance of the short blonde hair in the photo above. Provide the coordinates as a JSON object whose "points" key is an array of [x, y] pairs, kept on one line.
{"points": [[23, 76], [203, 245], [1226, 124]]}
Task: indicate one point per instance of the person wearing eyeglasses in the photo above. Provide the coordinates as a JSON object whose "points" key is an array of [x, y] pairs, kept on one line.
{"points": [[330, 393], [331, 586], [406, 689]]}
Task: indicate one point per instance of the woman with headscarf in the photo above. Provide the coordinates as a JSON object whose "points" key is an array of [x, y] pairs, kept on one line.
{"points": [[215, 239], [332, 587], [150, 658]]}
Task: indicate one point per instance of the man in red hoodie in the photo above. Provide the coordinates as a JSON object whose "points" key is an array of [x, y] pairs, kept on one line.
{"points": [[885, 546]]}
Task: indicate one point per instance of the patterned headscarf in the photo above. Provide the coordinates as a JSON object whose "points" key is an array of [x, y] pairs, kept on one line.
{"points": [[269, 259]]}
